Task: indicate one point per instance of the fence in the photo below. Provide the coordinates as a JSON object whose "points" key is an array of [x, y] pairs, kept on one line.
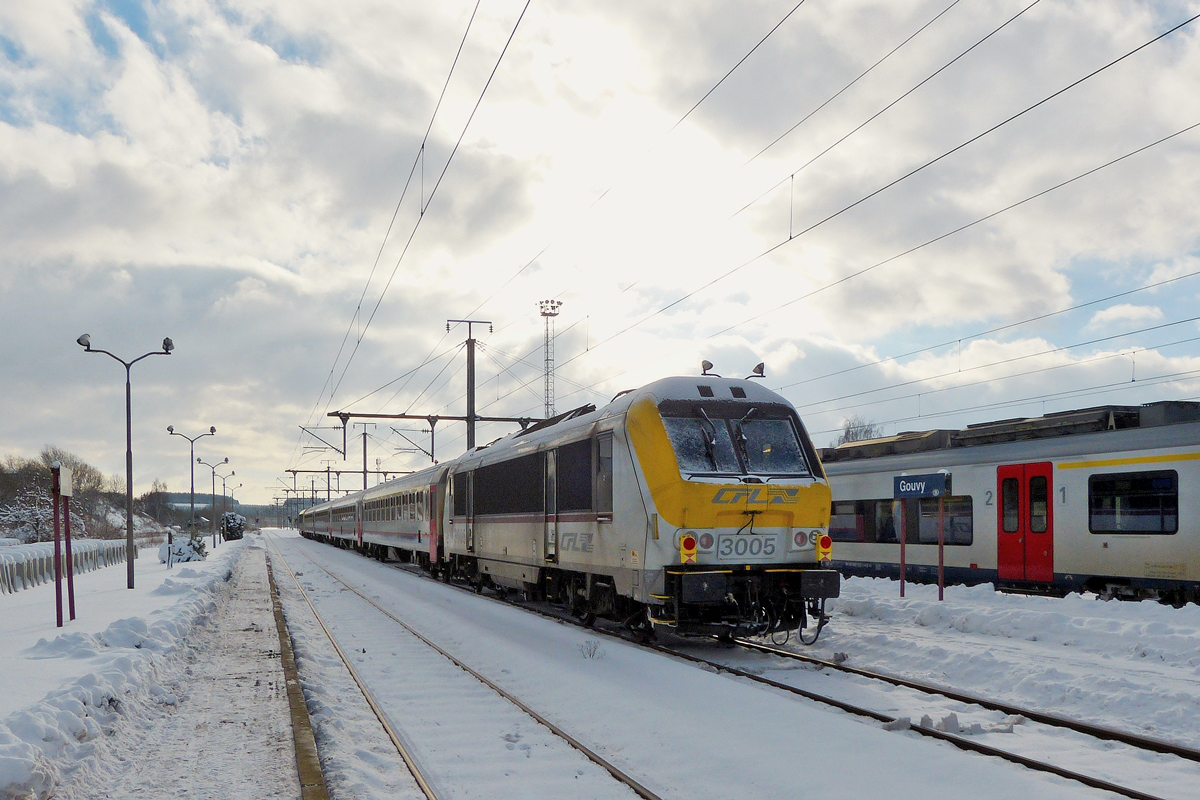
{"points": [[27, 565]]}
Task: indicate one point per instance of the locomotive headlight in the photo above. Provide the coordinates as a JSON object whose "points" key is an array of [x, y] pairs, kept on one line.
{"points": [[706, 541]]}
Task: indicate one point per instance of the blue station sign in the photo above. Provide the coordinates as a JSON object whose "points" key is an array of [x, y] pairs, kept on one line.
{"points": [[934, 484]]}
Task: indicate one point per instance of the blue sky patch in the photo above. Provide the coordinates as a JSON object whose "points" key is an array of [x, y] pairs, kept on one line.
{"points": [[103, 40], [288, 46]]}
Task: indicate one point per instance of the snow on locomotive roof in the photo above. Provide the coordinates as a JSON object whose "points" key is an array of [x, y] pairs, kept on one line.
{"points": [[549, 433], [576, 424]]}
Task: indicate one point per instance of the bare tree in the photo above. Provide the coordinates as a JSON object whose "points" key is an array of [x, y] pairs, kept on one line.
{"points": [[856, 429]]}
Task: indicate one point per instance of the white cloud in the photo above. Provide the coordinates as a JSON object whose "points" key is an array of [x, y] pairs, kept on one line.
{"points": [[1124, 312], [226, 178]]}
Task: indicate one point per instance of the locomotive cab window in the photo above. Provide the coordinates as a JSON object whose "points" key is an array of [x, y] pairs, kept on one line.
{"points": [[736, 438], [1134, 502]]}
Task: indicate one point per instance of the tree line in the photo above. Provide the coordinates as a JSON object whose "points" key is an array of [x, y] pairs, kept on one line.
{"points": [[97, 503]]}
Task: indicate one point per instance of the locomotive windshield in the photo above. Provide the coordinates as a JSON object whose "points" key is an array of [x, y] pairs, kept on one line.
{"points": [[735, 439]]}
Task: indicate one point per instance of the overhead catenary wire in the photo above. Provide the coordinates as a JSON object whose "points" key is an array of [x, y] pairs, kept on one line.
{"points": [[875, 266], [992, 380], [860, 76], [1001, 361], [432, 192], [1156, 380], [927, 243], [419, 158], [874, 116], [667, 133]]}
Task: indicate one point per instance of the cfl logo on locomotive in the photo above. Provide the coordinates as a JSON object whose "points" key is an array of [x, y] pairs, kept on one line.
{"points": [[763, 495], [577, 542]]}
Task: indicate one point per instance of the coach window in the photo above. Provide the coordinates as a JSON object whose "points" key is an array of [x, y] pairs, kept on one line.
{"points": [[1134, 502], [847, 523], [1039, 504], [1010, 504], [885, 521], [604, 474], [958, 521]]}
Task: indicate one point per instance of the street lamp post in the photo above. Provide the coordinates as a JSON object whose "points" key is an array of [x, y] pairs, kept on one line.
{"points": [[85, 341], [192, 469], [213, 497], [223, 479]]}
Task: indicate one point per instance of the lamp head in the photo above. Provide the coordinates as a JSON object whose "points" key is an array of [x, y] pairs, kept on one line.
{"points": [[170, 429], [760, 371], [168, 345], [85, 341], [705, 366], [226, 459], [213, 429], [198, 461]]}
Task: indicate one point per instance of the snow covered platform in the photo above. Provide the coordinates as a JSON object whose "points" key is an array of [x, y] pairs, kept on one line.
{"points": [[172, 689]]}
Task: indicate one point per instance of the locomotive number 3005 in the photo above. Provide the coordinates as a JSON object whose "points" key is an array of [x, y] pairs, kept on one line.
{"points": [[746, 546]]}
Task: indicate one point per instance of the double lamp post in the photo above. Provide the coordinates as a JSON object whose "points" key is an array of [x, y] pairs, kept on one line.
{"points": [[85, 341]]}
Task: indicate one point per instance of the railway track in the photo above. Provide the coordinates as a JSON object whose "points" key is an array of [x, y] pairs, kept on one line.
{"points": [[1098, 732], [426, 782]]}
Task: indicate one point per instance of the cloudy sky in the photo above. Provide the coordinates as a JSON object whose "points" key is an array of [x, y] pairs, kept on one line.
{"points": [[233, 175]]}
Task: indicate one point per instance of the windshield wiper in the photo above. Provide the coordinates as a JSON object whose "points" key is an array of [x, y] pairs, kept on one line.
{"points": [[741, 437], [710, 440]]}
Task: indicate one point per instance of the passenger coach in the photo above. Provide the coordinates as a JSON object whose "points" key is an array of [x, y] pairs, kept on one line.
{"points": [[1104, 499], [698, 504]]}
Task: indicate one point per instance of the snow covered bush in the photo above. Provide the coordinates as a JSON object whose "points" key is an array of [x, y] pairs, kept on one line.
{"points": [[186, 547], [29, 518]]}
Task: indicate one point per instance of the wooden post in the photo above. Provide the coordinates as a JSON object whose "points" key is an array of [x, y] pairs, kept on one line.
{"points": [[941, 548], [54, 498]]}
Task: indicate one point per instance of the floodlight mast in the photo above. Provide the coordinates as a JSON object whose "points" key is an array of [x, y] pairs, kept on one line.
{"points": [[85, 341]]}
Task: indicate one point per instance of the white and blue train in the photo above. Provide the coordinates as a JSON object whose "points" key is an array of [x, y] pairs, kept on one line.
{"points": [[1102, 499]]}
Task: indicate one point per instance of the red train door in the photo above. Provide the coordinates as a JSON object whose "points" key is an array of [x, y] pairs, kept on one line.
{"points": [[1025, 523]]}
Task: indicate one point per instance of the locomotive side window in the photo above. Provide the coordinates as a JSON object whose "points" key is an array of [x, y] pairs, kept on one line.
{"points": [[511, 487], [1134, 502], [573, 474], [1011, 504], [604, 473], [459, 489], [1039, 504]]}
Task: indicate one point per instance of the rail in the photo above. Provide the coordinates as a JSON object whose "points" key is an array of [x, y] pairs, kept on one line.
{"points": [[590, 754]]}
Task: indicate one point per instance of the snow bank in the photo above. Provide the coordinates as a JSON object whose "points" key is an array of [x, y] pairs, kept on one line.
{"points": [[1145, 629], [121, 669]]}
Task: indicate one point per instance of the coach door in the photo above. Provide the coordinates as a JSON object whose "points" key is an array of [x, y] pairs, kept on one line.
{"points": [[470, 500], [551, 524], [1025, 524], [358, 521]]}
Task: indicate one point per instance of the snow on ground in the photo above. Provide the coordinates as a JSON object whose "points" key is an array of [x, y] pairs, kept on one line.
{"points": [[683, 731], [66, 691], [1132, 665], [224, 727]]}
